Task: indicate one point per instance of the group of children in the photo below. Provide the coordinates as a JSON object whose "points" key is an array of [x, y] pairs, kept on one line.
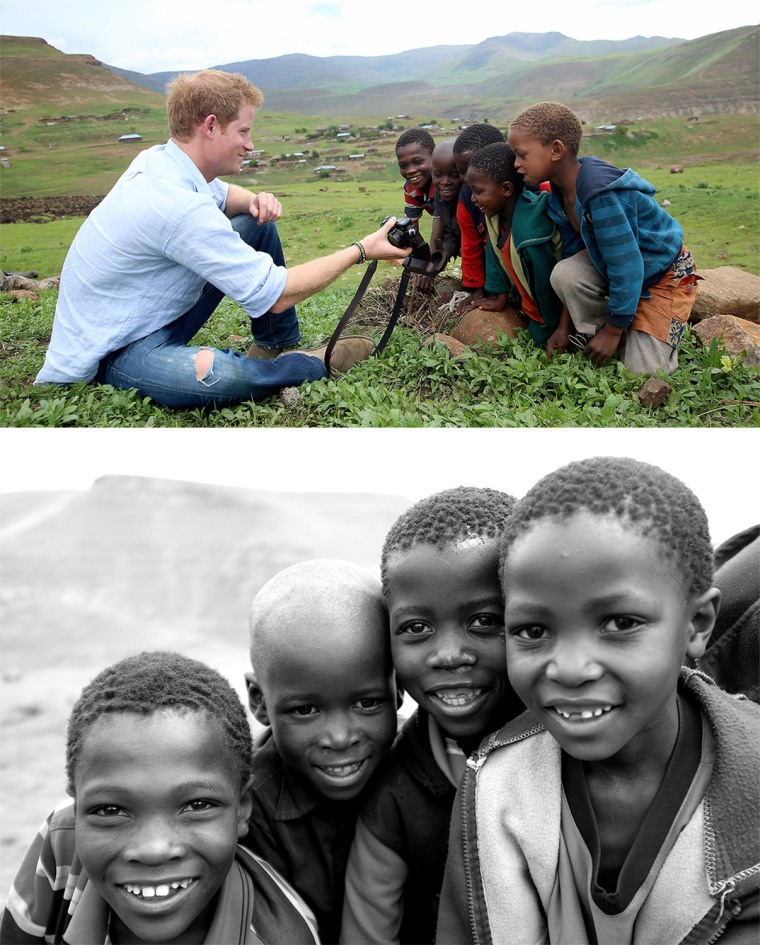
{"points": [[582, 248], [564, 777]]}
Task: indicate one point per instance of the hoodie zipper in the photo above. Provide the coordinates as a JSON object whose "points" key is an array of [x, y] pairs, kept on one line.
{"points": [[474, 763]]}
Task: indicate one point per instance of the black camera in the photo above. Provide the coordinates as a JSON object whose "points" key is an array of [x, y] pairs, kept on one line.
{"points": [[404, 233]]}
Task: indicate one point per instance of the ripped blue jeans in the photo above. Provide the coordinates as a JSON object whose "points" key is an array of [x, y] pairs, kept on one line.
{"points": [[172, 372]]}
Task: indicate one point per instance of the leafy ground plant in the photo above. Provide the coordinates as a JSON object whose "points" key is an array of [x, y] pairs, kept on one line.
{"points": [[508, 384]]}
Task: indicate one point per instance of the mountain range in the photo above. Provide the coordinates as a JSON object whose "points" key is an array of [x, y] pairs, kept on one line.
{"points": [[655, 76], [601, 80]]}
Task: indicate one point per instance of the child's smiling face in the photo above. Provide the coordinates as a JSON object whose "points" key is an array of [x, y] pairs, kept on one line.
{"points": [[414, 164], [489, 195], [447, 635], [597, 629], [445, 175], [331, 702], [159, 810]]}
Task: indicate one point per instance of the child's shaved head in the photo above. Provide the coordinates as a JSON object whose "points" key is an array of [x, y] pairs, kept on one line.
{"points": [[322, 676], [309, 604]]}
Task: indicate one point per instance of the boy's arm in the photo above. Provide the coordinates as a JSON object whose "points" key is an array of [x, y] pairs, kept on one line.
{"points": [[43, 885], [618, 247], [373, 905]]}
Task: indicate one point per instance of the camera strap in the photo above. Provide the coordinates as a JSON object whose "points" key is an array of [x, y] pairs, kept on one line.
{"points": [[352, 305]]}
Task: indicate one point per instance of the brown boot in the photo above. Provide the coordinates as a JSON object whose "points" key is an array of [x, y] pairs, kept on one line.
{"points": [[347, 352], [262, 351]]}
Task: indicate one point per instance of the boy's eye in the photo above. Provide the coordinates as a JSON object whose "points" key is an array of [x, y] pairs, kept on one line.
{"points": [[199, 805], [303, 711], [621, 622], [369, 703], [488, 622], [107, 810], [529, 633], [414, 628]]}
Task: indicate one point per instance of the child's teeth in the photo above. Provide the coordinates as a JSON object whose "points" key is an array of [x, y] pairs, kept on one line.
{"points": [[585, 713], [459, 698], [157, 892]]}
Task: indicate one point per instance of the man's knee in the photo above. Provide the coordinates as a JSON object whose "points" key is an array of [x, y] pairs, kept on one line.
{"points": [[204, 366], [255, 234]]}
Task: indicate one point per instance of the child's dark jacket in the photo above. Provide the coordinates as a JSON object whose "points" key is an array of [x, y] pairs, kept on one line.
{"points": [[304, 836], [406, 815], [506, 823], [732, 657]]}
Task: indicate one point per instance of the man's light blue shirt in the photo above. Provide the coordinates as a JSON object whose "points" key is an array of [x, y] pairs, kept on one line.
{"points": [[141, 259]]}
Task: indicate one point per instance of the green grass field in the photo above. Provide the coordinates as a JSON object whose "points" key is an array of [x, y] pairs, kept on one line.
{"points": [[510, 384]]}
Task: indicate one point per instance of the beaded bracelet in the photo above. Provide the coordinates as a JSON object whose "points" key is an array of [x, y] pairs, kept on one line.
{"points": [[362, 253]]}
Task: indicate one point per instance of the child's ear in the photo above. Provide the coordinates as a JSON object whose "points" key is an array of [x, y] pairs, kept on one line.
{"points": [[507, 188], [244, 811], [704, 613], [559, 149], [256, 699], [399, 695]]}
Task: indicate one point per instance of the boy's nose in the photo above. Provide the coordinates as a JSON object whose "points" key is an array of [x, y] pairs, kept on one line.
{"points": [[154, 843], [451, 655], [572, 663], [338, 734]]}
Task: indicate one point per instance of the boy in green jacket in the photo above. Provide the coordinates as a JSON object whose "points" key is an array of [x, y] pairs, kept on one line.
{"points": [[524, 244]]}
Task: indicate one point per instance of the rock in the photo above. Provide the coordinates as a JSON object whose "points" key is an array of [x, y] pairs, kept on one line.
{"points": [[738, 335], [727, 291], [654, 393], [455, 347], [666, 203], [677, 169], [482, 327], [290, 396]]}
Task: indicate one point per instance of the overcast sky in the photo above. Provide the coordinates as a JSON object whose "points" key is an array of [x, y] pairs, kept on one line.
{"points": [[716, 464], [165, 35]]}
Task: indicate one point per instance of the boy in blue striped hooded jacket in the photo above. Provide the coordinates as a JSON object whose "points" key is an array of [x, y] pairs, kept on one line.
{"points": [[632, 285]]}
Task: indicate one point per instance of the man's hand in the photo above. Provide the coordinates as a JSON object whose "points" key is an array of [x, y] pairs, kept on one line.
{"points": [[376, 245], [603, 345], [265, 207]]}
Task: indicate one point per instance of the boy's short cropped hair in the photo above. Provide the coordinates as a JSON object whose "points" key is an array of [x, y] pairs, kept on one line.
{"points": [[654, 503], [193, 96], [477, 136], [416, 136], [447, 517], [497, 161], [159, 680], [550, 121]]}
